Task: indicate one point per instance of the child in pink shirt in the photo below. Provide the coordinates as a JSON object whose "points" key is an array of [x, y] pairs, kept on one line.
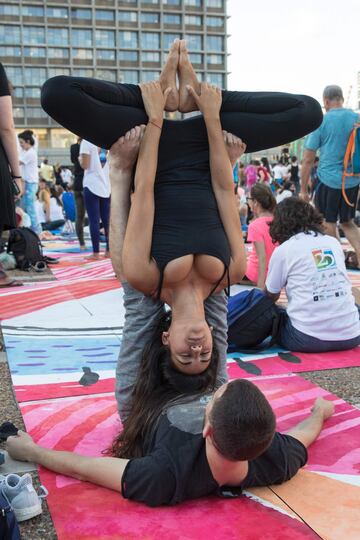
{"points": [[262, 203]]}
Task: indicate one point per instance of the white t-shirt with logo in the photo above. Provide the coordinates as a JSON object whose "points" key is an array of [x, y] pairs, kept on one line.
{"points": [[96, 178], [312, 270], [29, 165]]}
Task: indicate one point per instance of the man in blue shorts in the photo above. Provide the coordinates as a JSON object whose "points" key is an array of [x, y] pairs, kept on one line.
{"points": [[331, 138]]}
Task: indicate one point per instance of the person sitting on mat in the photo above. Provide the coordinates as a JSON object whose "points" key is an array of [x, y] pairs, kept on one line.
{"points": [[321, 314], [85, 106], [209, 444], [262, 204]]}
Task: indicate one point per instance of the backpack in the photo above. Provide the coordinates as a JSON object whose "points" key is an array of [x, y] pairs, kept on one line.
{"points": [[252, 318], [26, 247], [9, 528], [351, 159]]}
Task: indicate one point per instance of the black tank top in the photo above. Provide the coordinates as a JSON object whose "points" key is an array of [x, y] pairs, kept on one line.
{"points": [[187, 219]]}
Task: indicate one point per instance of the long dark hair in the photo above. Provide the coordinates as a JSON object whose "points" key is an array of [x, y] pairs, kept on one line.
{"points": [[56, 196], [27, 136], [158, 384], [293, 216]]}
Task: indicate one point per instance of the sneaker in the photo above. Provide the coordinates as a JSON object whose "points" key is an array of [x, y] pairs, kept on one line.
{"points": [[20, 493]]}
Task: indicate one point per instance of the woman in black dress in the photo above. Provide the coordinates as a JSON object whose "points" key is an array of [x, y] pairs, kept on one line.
{"points": [[9, 166]]}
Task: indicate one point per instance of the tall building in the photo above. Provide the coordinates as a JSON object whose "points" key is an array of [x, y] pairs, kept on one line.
{"points": [[114, 40]]}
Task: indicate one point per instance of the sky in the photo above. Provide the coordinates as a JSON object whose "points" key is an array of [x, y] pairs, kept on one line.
{"points": [[297, 46]]}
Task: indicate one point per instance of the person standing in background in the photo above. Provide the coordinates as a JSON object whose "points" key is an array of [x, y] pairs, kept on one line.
{"points": [[10, 175], [96, 185], [294, 171], [47, 172], [264, 175], [30, 174], [57, 174], [331, 138], [251, 175], [78, 192]]}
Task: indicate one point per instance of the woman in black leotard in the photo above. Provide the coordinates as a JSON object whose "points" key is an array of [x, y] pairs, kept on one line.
{"points": [[183, 238], [191, 234]]}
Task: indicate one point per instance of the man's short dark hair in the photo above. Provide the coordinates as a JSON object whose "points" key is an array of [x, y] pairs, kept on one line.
{"points": [[242, 421]]}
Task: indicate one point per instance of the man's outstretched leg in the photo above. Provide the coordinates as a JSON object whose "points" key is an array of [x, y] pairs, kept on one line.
{"points": [[309, 429]]}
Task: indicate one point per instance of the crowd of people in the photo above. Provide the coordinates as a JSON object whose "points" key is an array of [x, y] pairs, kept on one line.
{"points": [[176, 239]]}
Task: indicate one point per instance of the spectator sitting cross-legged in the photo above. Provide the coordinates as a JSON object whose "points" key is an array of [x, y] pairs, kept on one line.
{"points": [[262, 203], [321, 315], [52, 207]]}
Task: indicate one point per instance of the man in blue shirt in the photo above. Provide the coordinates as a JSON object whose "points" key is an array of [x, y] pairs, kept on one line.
{"points": [[331, 138]]}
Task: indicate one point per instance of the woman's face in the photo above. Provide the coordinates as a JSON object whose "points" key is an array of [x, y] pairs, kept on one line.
{"points": [[254, 205], [190, 345], [24, 145]]}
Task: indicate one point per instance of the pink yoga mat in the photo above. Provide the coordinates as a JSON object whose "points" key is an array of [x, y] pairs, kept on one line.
{"points": [[272, 365], [297, 362], [87, 425]]}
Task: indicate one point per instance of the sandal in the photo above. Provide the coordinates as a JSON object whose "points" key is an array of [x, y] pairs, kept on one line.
{"points": [[39, 266], [50, 260], [7, 429], [10, 283]]}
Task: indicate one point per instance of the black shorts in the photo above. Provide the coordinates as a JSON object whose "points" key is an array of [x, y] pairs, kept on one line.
{"points": [[281, 461], [332, 205]]}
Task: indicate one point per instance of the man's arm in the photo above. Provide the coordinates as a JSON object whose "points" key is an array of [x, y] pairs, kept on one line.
{"points": [[305, 172], [274, 296], [216, 316], [277, 274], [122, 158], [103, 471]]}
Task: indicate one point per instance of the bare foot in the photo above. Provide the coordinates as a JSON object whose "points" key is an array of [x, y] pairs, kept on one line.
{"points": [[93, 257], [187, 76], [234, 146], [83, 247], [324, 407], [107, 254], [124, 152], [168, 77]]}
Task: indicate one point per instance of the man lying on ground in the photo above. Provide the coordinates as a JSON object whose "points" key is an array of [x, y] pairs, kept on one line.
{"points": [[201, 445]]}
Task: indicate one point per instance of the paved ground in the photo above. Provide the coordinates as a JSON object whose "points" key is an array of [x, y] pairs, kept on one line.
{"points": [[343, 382]]}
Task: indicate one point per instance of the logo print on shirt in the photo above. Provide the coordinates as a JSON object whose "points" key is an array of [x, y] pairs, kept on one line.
{"points": [[324, 259]]}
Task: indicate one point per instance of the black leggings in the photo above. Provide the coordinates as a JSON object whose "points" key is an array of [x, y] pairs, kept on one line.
{"points": [[101, 112]]}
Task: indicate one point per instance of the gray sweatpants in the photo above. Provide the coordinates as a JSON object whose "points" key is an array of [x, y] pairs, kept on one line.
{"points": [[142, 314]]}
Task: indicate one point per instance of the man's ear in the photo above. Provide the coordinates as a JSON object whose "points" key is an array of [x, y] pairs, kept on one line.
{"points": [[165, 338], [208, 430]]}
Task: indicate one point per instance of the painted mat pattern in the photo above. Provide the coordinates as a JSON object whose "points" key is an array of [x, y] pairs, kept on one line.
{"points": [[87, 425], [79, 314]]}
